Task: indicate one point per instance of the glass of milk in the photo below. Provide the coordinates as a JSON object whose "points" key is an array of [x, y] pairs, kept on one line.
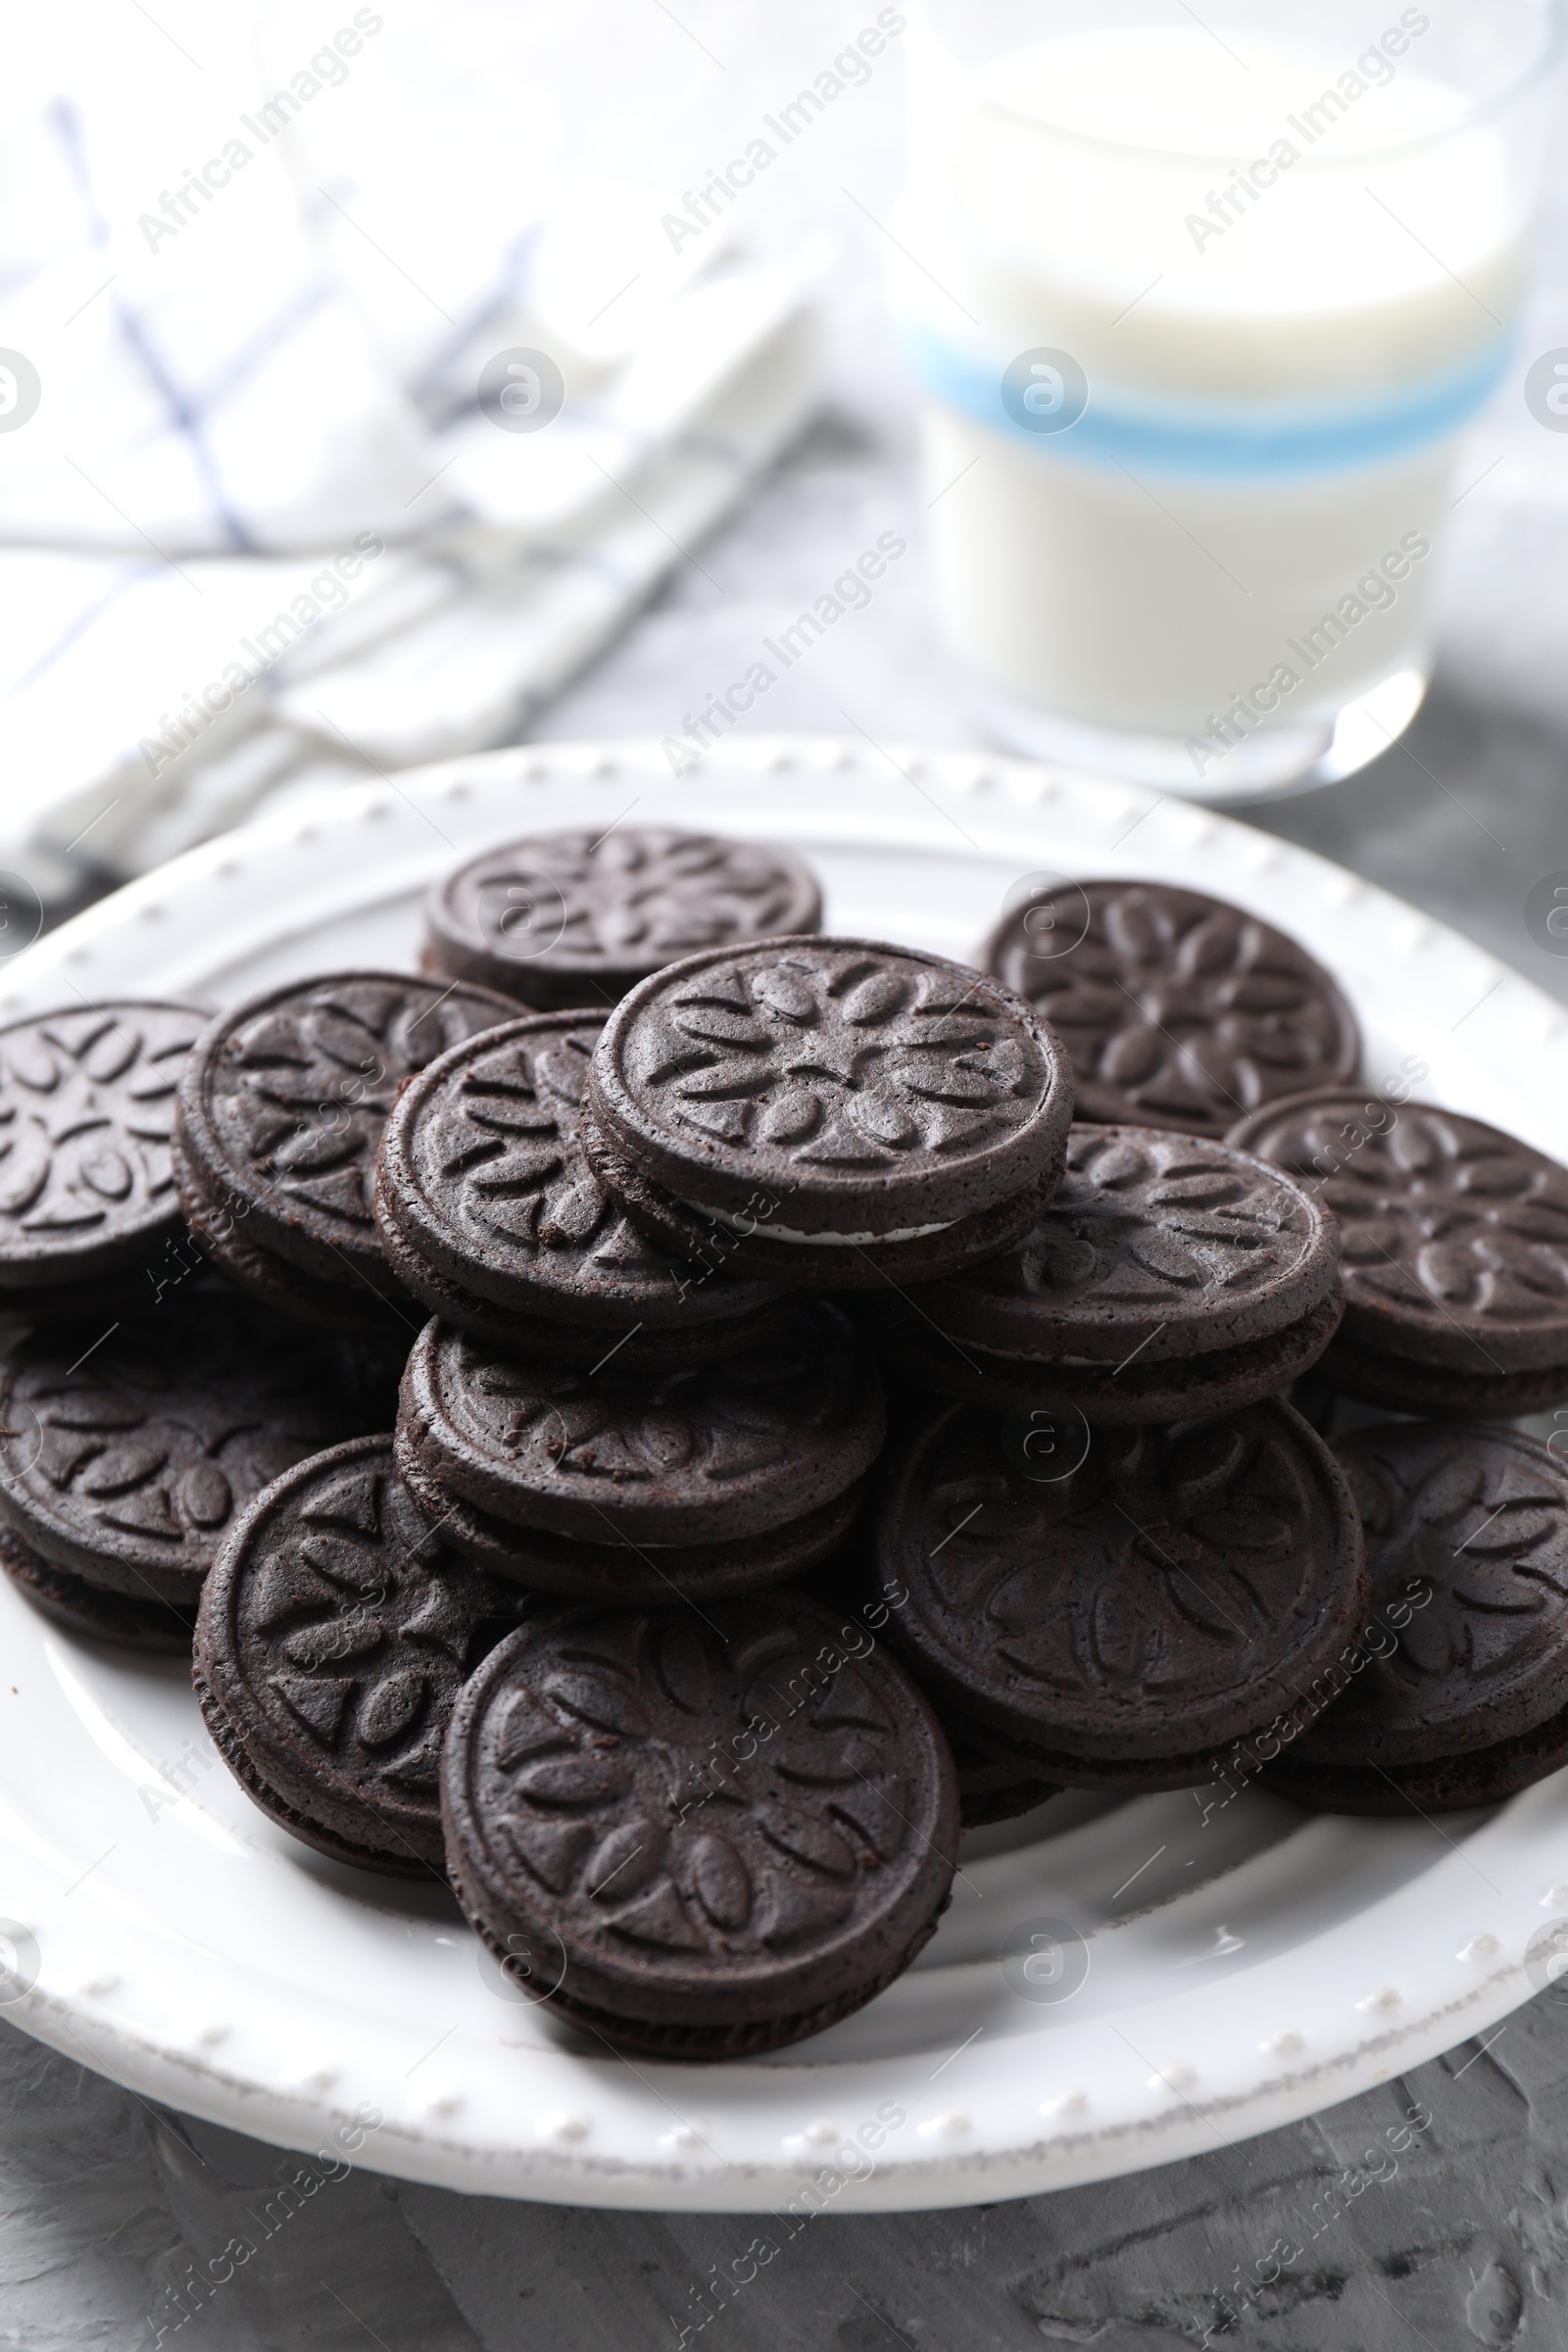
{"points": [[1201, 303]]}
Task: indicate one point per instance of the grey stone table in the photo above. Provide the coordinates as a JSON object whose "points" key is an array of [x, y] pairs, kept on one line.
{"points": [[108, 2208]]}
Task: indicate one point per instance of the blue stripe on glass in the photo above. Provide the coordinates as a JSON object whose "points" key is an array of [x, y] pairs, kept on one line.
{"points": [[1217, 440]]}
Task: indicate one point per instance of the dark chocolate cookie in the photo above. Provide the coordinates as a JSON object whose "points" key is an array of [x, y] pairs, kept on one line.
{"points": [[728, 1449], [1487, 1776], [334, 1635], [996, 1782], [1467, 1539], [1110, 1396], [1156, 1249], [86, 1107], [1178, 1009], [578, 918], [1168, 1243], [127, 1452], [283, 1101], [872, 1088], [833, 1098], [1177, 1592], [746, 1244], [1437, 1392], [588, 1347], [373, 1305], [1454, 1236], [727, 1831], [82, 1608], [490, 1214], [632, 1576], [1167, 1276]]}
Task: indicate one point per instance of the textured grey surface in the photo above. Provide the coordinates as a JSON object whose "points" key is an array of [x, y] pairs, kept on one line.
{"points": [[112, 2216]]}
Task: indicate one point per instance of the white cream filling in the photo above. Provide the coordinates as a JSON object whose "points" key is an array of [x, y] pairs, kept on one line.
{"points": [[747, 1225]]}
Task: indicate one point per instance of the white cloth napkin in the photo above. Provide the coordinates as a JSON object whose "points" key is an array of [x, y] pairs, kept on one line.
{"points": [[259, 528]]}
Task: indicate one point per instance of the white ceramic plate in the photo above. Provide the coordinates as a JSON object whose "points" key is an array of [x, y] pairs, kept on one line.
{"points": [[1243, 1969]]}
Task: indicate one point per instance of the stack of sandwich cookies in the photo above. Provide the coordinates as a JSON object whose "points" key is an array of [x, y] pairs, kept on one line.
{"points": [[125, 1457], [1178, 1011], [88, 1212], [1121, 1627], [1168, 1277], [334, 1635], [1460, 1696], [628, 1427], [1454, 1252], [713, 1480], [568, 919], [828, 1113], [280, 1113], [490, 1215], [714, 1834]]}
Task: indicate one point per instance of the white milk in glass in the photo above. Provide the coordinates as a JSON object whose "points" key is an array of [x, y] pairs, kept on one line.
{"points": [[1191, 424]]}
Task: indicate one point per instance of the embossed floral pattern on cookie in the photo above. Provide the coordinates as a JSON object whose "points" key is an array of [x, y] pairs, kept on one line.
{"points": [[136, 1456], [334, 1636], [1454, 1236], [482, 1173], [1145, 1605], [359, 1621], [1173, 1242], [611, 1791], [852, 1085], [1473, 1523], [833, 1061], [715, 1821], [611, 903], [86, 1110], [732, 1447], [298, 1090], [1178, 1011]]}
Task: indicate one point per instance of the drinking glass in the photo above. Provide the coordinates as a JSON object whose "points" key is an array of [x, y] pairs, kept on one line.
{"points": [[1201, 309]]}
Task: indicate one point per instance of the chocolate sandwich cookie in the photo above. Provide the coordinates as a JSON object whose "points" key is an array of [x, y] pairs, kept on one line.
{"points": [[219, 1227], [578, 918], [1454, 1253], [490, 1215], [1063, 1397], [279, 1118], [714, 1835], [83, 1608], [334, 1635], [1178, 1011], [1123, 1626], [1460, 1692], [127, 1453], [626, 1576], [729, 1449], [829, 1112], [87, 1200], [996, 1782], [1168, 1277]]}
